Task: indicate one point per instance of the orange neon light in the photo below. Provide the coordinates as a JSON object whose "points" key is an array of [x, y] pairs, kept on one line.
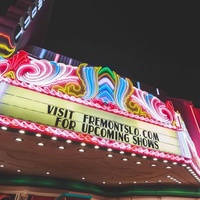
{"points": [[4, 46]]}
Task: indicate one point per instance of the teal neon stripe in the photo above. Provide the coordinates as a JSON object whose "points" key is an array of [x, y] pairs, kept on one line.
{"points": [[122, 191]]}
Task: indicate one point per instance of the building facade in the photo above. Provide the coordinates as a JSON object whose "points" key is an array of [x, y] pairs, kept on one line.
{"points": [[70, 130]]}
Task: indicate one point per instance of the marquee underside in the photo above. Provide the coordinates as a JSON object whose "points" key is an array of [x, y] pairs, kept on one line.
{"points": [[68, 166]]}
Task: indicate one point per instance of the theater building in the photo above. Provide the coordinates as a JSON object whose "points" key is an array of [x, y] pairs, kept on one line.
{"points": [[69, 130]]}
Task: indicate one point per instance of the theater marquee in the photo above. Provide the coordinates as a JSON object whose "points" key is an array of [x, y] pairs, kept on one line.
{"points": [[88, 100], [40, 108]]}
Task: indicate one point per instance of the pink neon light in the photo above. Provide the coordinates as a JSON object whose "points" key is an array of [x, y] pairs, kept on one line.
{"points": [[46, 90], [56, 57], [52, 131]]}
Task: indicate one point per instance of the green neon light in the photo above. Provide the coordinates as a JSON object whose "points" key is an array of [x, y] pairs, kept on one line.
{"points": [[58, 183], [74, 195]]}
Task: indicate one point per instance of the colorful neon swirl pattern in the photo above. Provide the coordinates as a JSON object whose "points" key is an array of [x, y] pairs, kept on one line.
{"points": [[96, 84]]}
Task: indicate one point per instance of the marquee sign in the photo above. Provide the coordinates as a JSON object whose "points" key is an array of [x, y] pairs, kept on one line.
{"points": [[113, 108], [40, 108]]}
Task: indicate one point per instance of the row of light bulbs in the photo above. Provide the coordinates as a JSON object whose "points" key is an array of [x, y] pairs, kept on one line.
{"points": [[110, 156]]}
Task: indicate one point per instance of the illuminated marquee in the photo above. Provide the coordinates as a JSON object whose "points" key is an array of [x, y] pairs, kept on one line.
{"points": [[113, 108], [40, 108]]}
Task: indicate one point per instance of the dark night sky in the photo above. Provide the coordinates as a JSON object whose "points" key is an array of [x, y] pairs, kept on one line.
{"points": [[154, 42]]}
